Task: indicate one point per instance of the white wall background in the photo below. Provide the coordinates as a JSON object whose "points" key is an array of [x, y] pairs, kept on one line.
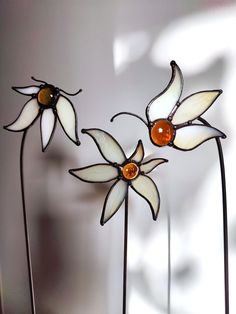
{"points": [[119, 53]]}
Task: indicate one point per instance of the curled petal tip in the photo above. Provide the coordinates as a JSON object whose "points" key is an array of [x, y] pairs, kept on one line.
{"points": [[172, 63], [224, 135], [84, 131]]}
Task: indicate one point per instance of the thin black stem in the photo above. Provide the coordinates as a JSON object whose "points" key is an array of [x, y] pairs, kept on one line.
{"points": [[27, 242], [225, 225], [225, 219], [130, 114], [169, 264], [125, 254]]}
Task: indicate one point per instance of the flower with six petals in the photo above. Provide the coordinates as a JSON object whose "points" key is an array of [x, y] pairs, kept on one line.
{"points": [[47, 101], [125, 171]]}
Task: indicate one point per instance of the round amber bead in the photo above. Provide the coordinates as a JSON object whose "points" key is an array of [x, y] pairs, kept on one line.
{"points": [[162, 132], [130, 171], [46, 96]]}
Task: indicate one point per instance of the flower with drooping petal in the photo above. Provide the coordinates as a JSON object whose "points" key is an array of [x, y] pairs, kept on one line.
{"points": [[172, 122], [48, 102], [125, 171]]}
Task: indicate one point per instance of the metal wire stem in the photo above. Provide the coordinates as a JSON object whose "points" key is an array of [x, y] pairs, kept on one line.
{"points": [[225, 219], [27, 242], [125, 254]]}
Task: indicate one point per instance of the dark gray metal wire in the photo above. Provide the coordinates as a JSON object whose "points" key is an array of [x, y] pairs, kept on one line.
{"points": [[225, 219], [27, 242], [125, 254]]}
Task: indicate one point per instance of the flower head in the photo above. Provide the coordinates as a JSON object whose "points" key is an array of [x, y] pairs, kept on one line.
{"points": [[173, 122], [125, 171], [48, 102]]}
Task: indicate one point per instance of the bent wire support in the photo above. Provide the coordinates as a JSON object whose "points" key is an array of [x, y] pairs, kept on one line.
{"points": [[48, 102], [175, 123]]}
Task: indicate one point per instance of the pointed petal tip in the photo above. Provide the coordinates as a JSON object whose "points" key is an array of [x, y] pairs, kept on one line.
{"points": [[77, 142], [102, 222], [7, 127], [45, 147]]}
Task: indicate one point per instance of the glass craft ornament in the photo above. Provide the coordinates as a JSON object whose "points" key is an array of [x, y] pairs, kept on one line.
{"points": [[174, 123], [127, 172], [48, 102], [178, 124]]}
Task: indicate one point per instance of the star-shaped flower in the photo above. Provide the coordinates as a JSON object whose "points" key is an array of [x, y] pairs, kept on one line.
{"points": [[125, 171], [48, 102], [172, 122]]}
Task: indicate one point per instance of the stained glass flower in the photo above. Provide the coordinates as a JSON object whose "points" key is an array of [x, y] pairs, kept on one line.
{"points": [[48, 102], [173, 122], [127, 172]]}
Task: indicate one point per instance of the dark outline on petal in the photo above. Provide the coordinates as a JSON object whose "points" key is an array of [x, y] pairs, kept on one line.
{"points": [[203, 91], [77, 142], [173, 66], [53, 129], [85, 131], [154, 216], [163, 160], [71, 171], [6, 126], [135, 152], [15, 89], [186, 150], [102, 222]]}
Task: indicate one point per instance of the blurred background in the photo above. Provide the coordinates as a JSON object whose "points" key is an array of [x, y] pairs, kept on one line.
{"points": [[119, 53]]}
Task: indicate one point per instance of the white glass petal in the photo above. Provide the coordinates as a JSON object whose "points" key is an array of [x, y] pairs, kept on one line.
{"points": [[29, 90], [107, 145], [67, 118], [194, 105], [48, 121], [162, 105], [114, 199], [96, 173], [151, 164], [191, 136], [27, 115], [138, 154], [146, 188]]}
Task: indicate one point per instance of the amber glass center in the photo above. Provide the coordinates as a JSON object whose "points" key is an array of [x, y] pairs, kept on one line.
{"points": [[130, 171], [162, 132], [46, 96]]}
